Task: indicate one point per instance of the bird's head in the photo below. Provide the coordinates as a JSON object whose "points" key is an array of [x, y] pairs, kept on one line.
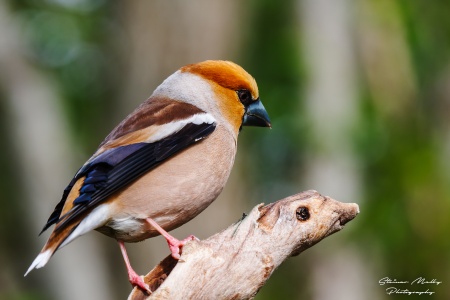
{"points": [[221, 88], [236, 90]]}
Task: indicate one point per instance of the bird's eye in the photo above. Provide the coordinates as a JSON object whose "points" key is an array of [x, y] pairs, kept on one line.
{"points": [[302, 213], [245, 97]]}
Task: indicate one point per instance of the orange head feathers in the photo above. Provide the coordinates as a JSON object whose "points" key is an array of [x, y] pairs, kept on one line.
{"points": [[236, 89], [226, 74]]}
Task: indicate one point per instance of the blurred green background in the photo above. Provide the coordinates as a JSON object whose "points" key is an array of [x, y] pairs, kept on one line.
{"points": [[359, 97]]}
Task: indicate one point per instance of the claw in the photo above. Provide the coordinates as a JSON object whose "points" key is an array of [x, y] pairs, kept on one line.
{"points": [[138, 281]]}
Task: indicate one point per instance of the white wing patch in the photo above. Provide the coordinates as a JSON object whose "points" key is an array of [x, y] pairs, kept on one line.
{"points": [[165, 130]]}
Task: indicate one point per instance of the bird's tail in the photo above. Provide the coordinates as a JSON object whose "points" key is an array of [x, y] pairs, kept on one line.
{"points": [[54, 242], [41, 260]]}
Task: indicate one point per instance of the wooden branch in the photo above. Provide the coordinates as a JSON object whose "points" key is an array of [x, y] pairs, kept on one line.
{"points": [[236, 263]]}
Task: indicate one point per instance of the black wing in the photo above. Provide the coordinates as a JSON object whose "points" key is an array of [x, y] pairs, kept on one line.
{"points": [[118, 167]]}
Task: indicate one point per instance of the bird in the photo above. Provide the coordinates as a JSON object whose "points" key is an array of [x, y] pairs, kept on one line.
{"points": [[163, 164]]}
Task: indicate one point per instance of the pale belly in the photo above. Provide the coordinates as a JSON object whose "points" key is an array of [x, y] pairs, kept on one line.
{"points": [[173, 193]]}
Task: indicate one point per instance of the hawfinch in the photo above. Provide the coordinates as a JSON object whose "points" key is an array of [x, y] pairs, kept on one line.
{"points": [[162, 165]]}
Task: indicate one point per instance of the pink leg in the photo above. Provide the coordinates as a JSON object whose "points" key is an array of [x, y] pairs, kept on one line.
{"points": [[133, 277], [174, 244]]}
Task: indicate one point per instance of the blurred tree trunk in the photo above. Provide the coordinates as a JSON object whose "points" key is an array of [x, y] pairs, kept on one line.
{"points": [[332, 107], [44, 152], [163, 36]]}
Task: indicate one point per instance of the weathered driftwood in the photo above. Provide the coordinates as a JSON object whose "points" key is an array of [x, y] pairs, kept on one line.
{"points": [[236, 263]]}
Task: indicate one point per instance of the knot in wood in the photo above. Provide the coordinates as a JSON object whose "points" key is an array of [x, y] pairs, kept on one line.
{"points": [[302, 213]]}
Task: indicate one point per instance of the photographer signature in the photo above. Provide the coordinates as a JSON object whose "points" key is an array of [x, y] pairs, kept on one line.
{"points": [[420, 281]]}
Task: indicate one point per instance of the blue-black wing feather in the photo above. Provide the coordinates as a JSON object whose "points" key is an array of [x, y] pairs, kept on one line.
{"points": [[118, 167]]}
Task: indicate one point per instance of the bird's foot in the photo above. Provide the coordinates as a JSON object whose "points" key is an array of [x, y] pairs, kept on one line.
{"points": [[133, 277], [138, 281], [175, 245]]}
